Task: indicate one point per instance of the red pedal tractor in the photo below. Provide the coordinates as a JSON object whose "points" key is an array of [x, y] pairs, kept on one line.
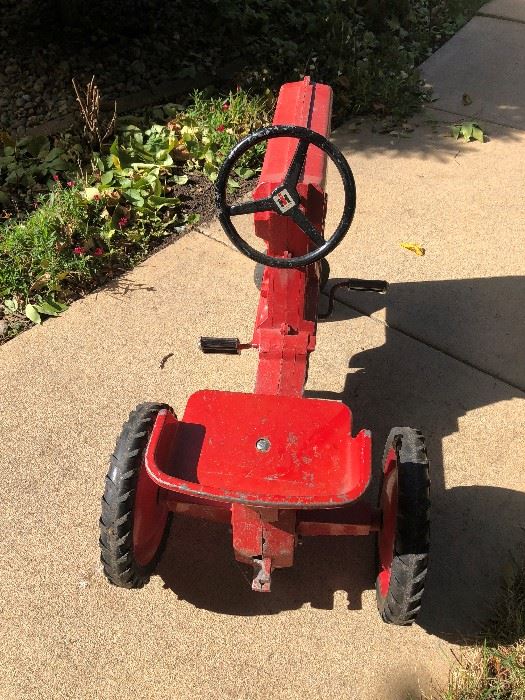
{"points": [[274, 465]]}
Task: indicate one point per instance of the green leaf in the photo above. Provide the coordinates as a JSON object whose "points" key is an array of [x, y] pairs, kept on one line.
{"points": [[54, 153], [36, 146], [158, 202], [180, 179], [32, 314], [466, 130], [107, 177], [11, 305], [134, 197], [58, 164], [143, 166], [50, 308], [113, 149], [245, 173], [477, 134]]}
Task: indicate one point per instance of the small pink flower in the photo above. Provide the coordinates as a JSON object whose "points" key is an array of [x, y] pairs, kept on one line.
{"points": [[98, 252], [123, 222], [70, 183], [55, 178], [220, 127], [96, 197], [225, 106], [79, 250]]}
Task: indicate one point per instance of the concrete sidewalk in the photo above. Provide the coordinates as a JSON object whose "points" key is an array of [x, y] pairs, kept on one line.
{"points": [[443, 353]]}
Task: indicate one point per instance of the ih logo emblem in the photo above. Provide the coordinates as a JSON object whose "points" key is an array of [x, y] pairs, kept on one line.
{"points": [[284, 200]]}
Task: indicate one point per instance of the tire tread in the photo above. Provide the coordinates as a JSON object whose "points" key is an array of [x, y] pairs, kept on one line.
{"points": [[116, 520], [402, 602]]}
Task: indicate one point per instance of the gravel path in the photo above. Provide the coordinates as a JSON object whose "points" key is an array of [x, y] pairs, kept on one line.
{"points": [[41, 51]]}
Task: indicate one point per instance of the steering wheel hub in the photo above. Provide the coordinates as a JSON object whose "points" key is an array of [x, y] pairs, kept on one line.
{"points": [[285, 200]]}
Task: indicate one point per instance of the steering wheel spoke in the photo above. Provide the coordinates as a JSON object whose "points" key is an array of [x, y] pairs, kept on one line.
{"points": [[297, 164], [256, 205], [307, 226]]}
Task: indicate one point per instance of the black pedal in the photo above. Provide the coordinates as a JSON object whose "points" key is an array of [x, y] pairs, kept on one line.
{"points": [[225, 346], [377, 286]]}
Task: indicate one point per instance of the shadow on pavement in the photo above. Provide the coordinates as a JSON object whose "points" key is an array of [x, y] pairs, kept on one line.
{"points": [[122, 286], [476, 529], [429, 137]]}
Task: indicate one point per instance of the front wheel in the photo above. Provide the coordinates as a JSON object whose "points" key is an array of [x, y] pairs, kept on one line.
{"points": [[403, 540], [134, 524]]}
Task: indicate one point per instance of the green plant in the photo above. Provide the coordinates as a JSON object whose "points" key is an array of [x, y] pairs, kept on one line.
{"points": [[210, 126], [26, 160], [492, 673], [148, 162], [45, 257], [138, 166], [495, 670], [80, 234], [468, 130], [32, 161], [368, 50]]}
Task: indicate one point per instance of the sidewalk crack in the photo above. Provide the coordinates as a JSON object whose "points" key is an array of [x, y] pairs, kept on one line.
{"points": [[476, 116], [489, 15], [212, 238]]}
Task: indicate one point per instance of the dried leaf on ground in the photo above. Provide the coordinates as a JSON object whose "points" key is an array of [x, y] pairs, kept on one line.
{"points": [[414, 248]]}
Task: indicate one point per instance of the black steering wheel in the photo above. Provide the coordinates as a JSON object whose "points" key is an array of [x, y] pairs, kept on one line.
{"points": [[284, 199]]}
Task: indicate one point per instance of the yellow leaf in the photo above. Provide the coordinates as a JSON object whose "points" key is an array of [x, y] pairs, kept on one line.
{"points": [[414, 248], [90, 192]]}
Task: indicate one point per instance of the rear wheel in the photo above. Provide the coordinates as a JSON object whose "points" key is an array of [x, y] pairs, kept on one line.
{"points": [[403, 540], [134, 524]]}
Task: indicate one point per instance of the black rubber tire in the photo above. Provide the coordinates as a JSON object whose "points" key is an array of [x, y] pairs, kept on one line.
{"points": [[116, 521], [402, 602], [259, 270]]}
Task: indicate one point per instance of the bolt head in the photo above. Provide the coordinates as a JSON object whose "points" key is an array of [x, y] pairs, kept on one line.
{"points": [[263, 445]]}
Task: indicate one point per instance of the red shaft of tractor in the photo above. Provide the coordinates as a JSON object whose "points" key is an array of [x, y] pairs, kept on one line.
{"points": [[285, 326]]}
